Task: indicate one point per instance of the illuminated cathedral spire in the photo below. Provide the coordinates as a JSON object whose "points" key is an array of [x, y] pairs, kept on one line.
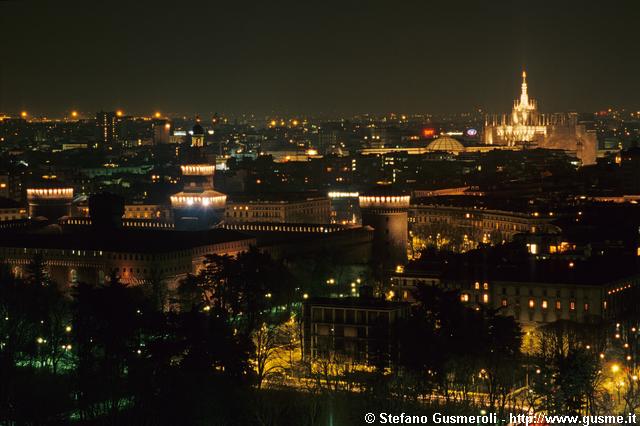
{"points": [[524, 96]]}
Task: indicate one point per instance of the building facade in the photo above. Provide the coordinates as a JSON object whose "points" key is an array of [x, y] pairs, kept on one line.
{"points": [[278, 209], [351, 329], [136, 256]]}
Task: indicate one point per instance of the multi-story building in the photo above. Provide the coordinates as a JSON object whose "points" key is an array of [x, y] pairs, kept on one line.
{"points": [[106, 124], [10, 187], [147, 211], [11, 210], [358, 329], [161, 131], [534, 292], [278, 208], [471, 225], [89, 254]]}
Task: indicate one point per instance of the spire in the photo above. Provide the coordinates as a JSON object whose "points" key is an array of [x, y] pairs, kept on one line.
{"points": [[524, 97]]}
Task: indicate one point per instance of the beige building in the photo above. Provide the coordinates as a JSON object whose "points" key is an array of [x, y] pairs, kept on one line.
{"points": [[11, 210], [147, 211], [538, 293], [465, 227], [274, 209]]}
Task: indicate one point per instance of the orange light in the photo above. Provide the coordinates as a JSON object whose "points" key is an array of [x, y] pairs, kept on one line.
{"points": [[428, 132], [157, 115], [74, 114], [23, 114], [119, 113]]}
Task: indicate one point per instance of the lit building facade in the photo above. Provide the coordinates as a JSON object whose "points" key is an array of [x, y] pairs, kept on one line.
{"points": [[277, 209], [387, 214], [50, 202], [526, 126], [466, 227], [198, 206], [107, 129], [136, 256], [11, 210], [147, 211]]}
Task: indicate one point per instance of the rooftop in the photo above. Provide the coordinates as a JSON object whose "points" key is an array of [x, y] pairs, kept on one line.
{"points": [[445, 143], [357, 303], [117, 240]]}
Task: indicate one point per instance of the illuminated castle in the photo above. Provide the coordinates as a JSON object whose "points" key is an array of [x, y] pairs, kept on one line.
{"points": [[51, 202], [198, 206], [386, 213], [526, 126]]}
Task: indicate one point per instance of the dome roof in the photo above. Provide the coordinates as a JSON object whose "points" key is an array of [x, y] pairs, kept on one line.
{"points": [[197, 129], [445, 143]]}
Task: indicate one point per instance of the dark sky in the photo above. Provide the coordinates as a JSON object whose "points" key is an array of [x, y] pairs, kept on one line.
{"points": [[316, 57]]}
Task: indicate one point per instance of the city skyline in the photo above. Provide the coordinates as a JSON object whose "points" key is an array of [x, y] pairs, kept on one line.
{"points": [[319, 213], [288, 59]]}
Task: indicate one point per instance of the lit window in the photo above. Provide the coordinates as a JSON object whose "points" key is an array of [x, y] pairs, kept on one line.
{"points": [[485, 286], [477, 286], [572, 306], [464, 297], [532, 303], [558, 305], [504, 303], [586, 307], [545, 305], [485, 298]]}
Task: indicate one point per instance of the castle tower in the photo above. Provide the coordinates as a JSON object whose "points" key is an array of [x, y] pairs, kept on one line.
{"points": [[197, 135], [198, 206], [386, 213], [51, 201]]}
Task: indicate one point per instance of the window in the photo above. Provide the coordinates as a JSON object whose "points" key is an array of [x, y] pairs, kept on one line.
{"points": [[558, 305], [316, 314], [532, 303], [586, 307], [572, 306], [328, 315], [477, 286], [350, 316], [464, 297], [485, 286], [504, 303], [545, 304], [485, 298]]}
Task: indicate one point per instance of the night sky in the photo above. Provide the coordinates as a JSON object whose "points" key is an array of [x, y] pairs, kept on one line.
{"points": [[316, 57]]}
